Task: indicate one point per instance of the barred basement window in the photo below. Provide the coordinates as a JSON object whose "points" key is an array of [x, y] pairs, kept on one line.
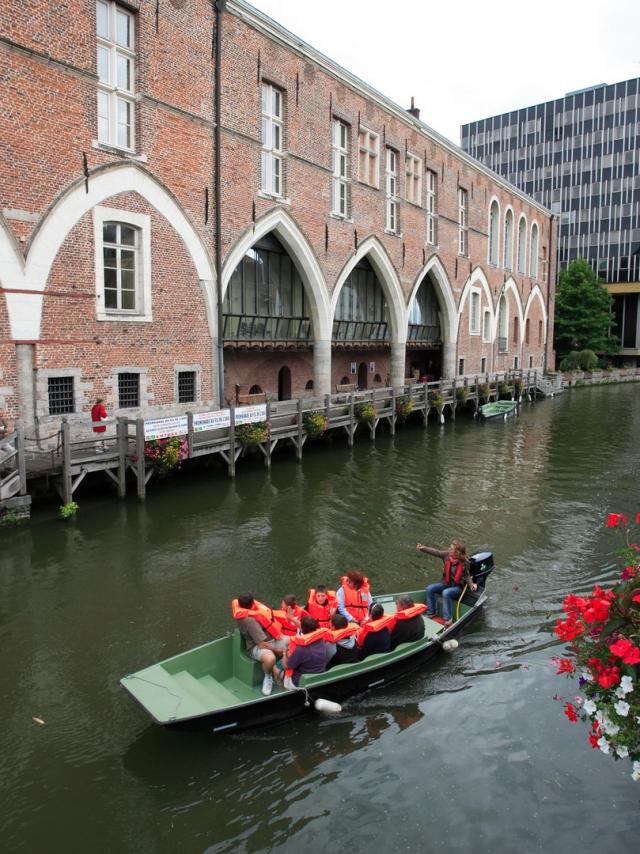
{"points": [[60, 395], [128, 390], [186, 386]]}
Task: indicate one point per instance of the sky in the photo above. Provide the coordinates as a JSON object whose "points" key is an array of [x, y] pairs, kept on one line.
{"points": [[464, 60]]}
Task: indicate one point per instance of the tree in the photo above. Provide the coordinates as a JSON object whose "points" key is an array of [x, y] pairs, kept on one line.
{"points": [[583, 318]]}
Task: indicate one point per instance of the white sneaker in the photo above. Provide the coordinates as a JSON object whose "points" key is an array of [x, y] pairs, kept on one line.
{"points": [[267, 685]]}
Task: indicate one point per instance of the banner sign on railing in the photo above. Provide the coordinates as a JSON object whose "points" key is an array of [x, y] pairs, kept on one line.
{"points": [[222, 417], [164, 428]]}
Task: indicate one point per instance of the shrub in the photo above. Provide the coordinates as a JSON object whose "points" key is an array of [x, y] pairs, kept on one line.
{"points": [[518, 386], [504, 388], [365, 411], [66, 511], [166, 455], [404, 408], [315, 423], [462, 393], [483, 391], [587, 360], [436, 399], [252, 434], [571, 361]]}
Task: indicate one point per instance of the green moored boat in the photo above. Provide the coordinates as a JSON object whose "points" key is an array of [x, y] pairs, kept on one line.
{"points": [[498, 409], [216, 686]]}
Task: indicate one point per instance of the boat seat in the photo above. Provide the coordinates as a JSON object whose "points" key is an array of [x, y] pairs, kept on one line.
{"points": [[211, 695]]}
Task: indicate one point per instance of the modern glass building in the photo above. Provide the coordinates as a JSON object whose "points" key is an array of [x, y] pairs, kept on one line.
{"points": [[578, 155]]}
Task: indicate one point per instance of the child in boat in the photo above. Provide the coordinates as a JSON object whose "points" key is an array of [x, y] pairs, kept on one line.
{"points": [[354, 597], [321, 605], [346, 647], [456, 574], [379, 640], [409, 624], [289, 615], [312, 657]]}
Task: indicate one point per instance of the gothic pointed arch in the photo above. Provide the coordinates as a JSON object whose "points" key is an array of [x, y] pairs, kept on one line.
{"points": [[435, 270]]}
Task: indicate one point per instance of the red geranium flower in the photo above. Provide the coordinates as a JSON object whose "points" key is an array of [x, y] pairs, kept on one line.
{"points": [[570, 712], [627, 573], [565, 665], [635, 597], [569, 629], [637, 518], [608, 677], [616, 519], [628, 652]]}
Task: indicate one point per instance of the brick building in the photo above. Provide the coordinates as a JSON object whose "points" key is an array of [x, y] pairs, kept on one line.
{"points": [[351, 243]]}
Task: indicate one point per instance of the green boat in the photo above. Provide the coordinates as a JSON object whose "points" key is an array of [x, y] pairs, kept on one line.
{"points": [[216, 686], [498, 409]]}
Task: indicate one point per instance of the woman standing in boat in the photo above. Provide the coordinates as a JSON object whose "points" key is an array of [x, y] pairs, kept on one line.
{"points": [[456, 574]]}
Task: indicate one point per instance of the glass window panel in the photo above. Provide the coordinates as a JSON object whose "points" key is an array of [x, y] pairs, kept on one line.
{"points": [[110, 298], [128, 280], [127, 259], [249, 282], [285, 285], [103, 64], [109, 232], [123, 28], [262, 283], [128, 300], [102, 19], [127, 235], [277, 103], [124, 73], [275, 299], [110, 278], [110, 257]]}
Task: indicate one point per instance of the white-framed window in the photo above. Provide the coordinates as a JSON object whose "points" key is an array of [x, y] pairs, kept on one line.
{"points": [[522, 245], [508, 240], [272, 139], [483, 365], [368, 152], [486, 325], [533, 262], [494, 231], [413, 179], [391, 188], [463, 221], [123, 265], [432, 207], [474, 312], [115, 30], [340, 180]]}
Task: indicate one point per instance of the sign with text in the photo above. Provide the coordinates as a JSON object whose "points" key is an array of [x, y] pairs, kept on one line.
{"points": [[251, 414], [211, 420], [164, 428]]}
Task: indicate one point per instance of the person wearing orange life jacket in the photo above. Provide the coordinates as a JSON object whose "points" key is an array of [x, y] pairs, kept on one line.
{"points": [[456, 575], [375, 634], [409, 624], [262, 636], [343, 634], [321, 605], [354, 597], [309, 652], [289, 616]]}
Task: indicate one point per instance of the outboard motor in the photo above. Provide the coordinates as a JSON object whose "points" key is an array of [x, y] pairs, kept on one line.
{"points": [[480, 565]]}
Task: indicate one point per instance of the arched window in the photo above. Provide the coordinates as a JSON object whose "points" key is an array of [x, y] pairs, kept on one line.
{"points": [[515, 330], [503, 327], [361, 312], [309, 386], [424, 317], [522, 244], [345, 381], [533, 263], [508, 240], [255, 389], [494, 232], [527, 330]]}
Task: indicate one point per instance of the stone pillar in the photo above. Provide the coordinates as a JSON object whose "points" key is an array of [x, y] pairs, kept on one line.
{"points": [[26, 386], [398, 361], [448, 360], [321, 368]]}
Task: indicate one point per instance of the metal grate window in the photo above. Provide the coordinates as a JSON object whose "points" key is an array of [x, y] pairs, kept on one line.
{"points": [[128, 390], [186, 386], [60, 395]]}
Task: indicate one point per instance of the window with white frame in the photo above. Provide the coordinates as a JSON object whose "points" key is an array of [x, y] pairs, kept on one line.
{"points": [[272, 139], [474, 312], [483, 365], [494, 230], [340, 180], [432, 207], [368, 151], [486, 325], [522, 244], [123, 264], [533, 262], [413, 179], [115, 29], [463, 224], [391, 187], [508, 240]]}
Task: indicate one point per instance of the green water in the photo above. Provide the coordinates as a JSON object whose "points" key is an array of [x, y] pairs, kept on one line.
{"points": [[469, 754]]}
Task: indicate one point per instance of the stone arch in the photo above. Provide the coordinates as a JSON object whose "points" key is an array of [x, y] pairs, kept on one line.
{"points": [[493, 230], [374, 251], [31, 274], [443, 287], [508, 286], [286, 230], [477, 278], [536, 293]]}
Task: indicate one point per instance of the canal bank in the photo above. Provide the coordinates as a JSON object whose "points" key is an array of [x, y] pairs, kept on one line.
{"points": [[127, 583]]}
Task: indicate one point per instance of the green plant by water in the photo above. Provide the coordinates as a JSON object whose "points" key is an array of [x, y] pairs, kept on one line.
{"points": [[68, 510]]}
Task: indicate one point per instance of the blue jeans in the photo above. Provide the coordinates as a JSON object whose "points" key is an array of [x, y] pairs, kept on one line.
{"points": [[448, 594]]}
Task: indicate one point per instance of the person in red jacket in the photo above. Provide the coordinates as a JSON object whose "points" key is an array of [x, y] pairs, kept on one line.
{"points": [[99, 414]]}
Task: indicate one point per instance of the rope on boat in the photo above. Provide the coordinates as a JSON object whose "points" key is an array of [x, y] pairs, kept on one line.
{"points": [[158, 685]]}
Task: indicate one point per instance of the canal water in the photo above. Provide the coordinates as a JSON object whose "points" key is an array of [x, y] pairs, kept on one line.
{"points": [[471, 753]]}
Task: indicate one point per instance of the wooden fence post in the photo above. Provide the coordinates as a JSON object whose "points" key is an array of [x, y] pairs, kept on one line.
{"points": [[67, 487], [426, 403], [122, 432], [140, 467], [22, 467], [393, 410], [190, 433], [327, 409], [267, 459], [351, 419], [299, 448], [232, 440]]}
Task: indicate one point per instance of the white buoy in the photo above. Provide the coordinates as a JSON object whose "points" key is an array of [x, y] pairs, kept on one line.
{"points": [[450, 645], [327, 706]]}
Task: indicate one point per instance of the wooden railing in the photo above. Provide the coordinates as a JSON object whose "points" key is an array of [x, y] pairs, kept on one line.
{"points": [[13, 476]]}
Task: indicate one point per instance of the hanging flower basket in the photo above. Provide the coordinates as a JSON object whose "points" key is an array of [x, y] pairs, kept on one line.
{"points": [[602, 630], [314, 423], [483, 391], [404, 408], [518, 387], [436, 399], [503, 388], [365, 412], [166, 455], [250, 435], [462, 393]]}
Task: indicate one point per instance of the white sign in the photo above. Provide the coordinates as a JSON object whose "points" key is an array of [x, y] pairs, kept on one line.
{"points": [[163, 428], [211, 420], [251, 414]]}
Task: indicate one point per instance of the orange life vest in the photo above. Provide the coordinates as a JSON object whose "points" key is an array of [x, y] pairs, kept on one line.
{"points": [[356, 602], [322, 613], [260, 613], [341, 634], [458, 572], [306, 640], [371, 626], [408, 613], [288, 628]]}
